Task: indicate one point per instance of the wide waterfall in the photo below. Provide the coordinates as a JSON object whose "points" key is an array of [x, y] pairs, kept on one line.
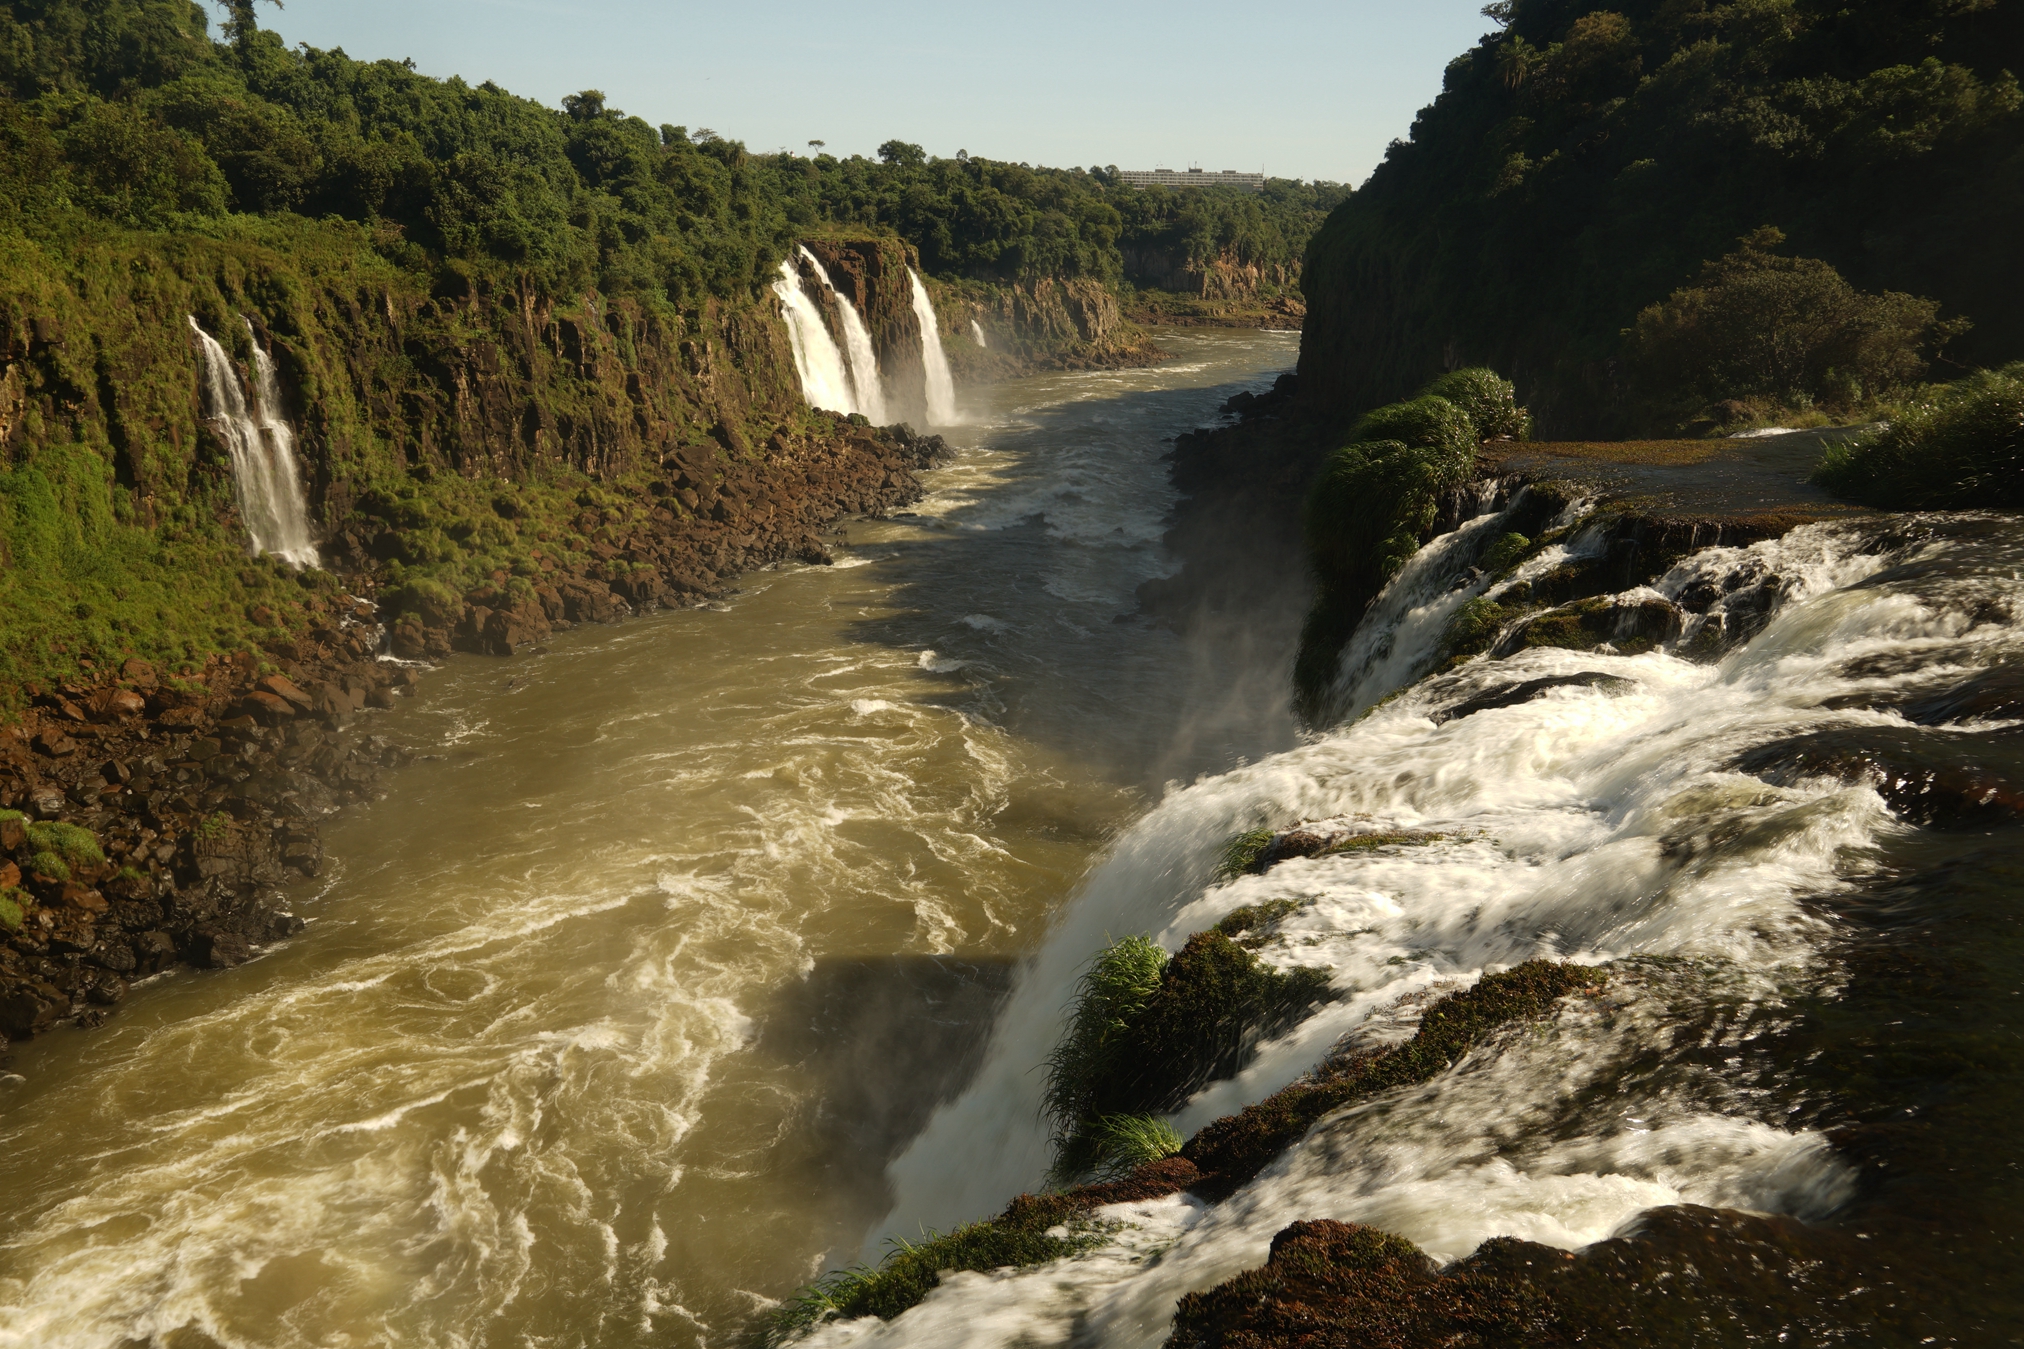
{"points": [[840, 378], [1590, 806], [941, 384], [262, 446]]}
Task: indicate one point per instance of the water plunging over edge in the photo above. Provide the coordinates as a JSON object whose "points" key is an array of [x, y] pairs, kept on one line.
{"points": [[1556, 826], [262, 447], [941, 385]]}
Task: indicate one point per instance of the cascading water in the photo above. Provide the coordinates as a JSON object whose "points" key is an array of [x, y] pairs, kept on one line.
{"points": [[1605, 819], [840, 378], [825, 383], [977, 333], [262, 447], [941, 384]]}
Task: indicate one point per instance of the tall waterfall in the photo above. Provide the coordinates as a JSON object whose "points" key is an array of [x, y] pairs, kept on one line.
{"points": [[817, 360], [262, 446], [842, 379], [977, 333], [864, 374], [941, 384]]}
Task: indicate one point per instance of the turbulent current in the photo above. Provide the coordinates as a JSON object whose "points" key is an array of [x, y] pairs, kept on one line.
{"points": [[611, 1012], [701, 956]]}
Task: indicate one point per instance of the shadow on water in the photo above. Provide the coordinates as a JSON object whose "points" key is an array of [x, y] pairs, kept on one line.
{"points": [[880, 1041], [1074, 666]]}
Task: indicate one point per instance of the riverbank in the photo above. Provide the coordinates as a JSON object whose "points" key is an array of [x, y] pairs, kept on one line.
{"points": [[669, 938], [201, 791]]}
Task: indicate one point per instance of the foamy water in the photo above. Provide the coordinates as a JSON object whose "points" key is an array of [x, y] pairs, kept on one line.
{"points": [[609, 1014], [1594, 824]]}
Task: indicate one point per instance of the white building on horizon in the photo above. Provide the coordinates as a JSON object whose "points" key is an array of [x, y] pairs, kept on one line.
{"points": [[1243, 182]]}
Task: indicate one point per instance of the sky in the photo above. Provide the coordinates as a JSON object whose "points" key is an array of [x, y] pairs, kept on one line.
{"points": [[1301, 89]]}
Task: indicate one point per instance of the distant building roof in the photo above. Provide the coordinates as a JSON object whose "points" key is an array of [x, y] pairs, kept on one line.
{"points": [[1246, 182]]}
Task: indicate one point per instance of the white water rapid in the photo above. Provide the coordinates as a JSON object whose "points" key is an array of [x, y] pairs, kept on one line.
{"points": [[1599, 822], [941, 384], [262, 447]]}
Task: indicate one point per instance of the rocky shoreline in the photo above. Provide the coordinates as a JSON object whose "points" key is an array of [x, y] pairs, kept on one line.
{"points": [[150, 821]]}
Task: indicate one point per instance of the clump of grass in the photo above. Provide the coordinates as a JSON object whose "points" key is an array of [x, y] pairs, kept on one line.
{"points": [[1113, 1146], [911, 1270], [1251, 920], [1149, 1031], [13, 907], [69, 842], [212, 826], [49, 866], [1503, 553], [1959, 447], [1489, 401], [1240, 855]]}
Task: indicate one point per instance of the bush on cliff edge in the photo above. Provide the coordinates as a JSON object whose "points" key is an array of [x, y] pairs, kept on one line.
{"points": [[1376, 499], [1957, 448]]}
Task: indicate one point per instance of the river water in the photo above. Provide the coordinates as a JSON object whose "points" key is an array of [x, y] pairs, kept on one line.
{"points": [[612, 1010]]}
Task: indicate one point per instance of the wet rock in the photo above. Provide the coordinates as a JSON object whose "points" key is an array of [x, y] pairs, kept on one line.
{"points": [[1629, 626], [1940, 785], [216, 948], [1515, 694]]}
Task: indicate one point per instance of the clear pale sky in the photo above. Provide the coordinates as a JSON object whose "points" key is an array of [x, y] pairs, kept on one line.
{"points": [[1304, 89]]}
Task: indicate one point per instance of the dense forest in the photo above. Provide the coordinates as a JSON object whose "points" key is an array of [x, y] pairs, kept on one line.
{"points": [[127, 112], [458, 287], [1594, 177]]}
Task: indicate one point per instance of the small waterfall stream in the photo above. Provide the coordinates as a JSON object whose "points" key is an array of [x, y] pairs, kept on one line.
{"points": [[941, 384], [262, 446]]}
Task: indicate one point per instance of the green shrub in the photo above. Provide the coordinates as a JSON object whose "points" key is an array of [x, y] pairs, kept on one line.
{"points": [[1240, 855], [1488, 400], [13, 907], [1782, 331], [1428, 422], [73, 844], [1140, 1044], [1959, 447], [1375, 502], [50, 866]]}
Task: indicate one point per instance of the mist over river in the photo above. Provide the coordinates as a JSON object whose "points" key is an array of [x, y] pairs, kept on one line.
{"points": [[612, 1011]]}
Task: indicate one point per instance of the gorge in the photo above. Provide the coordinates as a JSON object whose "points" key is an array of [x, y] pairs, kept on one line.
{"points": [[608, 739]]}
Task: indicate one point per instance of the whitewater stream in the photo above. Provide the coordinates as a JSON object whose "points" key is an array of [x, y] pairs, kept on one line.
{"points": [[611, 1012]]}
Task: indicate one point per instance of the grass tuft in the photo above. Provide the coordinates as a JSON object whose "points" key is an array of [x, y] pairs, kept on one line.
{"points": [[1960, 447]]}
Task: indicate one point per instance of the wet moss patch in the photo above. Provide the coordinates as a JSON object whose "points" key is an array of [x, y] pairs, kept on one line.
{"points": [[1140, 1045], [1237, 1147]]}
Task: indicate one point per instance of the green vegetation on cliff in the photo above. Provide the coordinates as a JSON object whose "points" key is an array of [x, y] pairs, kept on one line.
{"points": [[1148, 1030], [1958, 447], [497, 325], [1375, 502], [1583, 163]]}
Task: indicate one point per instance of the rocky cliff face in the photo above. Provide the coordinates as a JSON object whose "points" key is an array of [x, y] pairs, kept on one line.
{"points": [[872, 274], [1049, 324], [1223, 277]]}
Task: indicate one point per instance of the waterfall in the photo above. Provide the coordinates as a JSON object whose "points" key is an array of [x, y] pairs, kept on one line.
{"points": [[824, 381], [842, 379], [977, 333], [1547, 815], [864, 375], [941, 384], [262, 446]]}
